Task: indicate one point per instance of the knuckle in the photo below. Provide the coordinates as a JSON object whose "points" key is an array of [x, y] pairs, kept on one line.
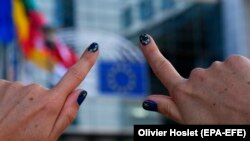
{"points": [[216, 64], [197, 73], [34, 88], [234, 59], [5, 82], [31, 85], [16, 84], [12, 86]]}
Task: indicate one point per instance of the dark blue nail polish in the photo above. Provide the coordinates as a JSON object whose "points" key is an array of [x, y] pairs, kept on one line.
{"points": [[150, 105], [93, 47], [144, 39], [81, 97]]}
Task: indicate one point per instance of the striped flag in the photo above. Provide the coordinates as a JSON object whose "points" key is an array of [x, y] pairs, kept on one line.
{"points": [[33, 39]]}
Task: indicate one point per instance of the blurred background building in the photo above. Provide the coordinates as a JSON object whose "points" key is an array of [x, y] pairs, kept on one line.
{"points": [[190, 33]]}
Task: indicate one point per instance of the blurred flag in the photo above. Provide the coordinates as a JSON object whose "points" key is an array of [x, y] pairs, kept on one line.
{"points": [[123, 77], [7, 32], [38, 41]]}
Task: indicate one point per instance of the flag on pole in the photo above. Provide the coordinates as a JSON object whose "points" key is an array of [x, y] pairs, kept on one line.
{"points": [[42, 47]]}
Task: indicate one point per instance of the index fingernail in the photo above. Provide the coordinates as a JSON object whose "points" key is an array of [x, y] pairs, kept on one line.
{"points": [[144, 39], [93, 47]]}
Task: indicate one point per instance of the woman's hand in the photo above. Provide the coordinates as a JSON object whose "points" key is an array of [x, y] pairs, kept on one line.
{"points": [[219, 94], [34, 113]]}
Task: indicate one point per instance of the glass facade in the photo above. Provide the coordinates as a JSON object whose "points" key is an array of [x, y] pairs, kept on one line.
{"points": [[146, 9], [167, 4], [127, 18], [64, 13]]}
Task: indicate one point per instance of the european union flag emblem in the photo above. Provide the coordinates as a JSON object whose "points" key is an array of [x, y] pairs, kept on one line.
{"points": [[123, 77]]}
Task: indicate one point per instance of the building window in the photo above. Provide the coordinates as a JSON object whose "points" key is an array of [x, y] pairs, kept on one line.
{"points": [[146, 9], [127, 17], [65, 13], [167, 4]]}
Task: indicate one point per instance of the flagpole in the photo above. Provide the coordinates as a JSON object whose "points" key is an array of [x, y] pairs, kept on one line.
{"points": [[2, 71], [16, 60], [4, 47]]}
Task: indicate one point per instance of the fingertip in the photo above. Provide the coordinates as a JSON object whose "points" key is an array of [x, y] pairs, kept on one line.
{"points": [[68, 111], [150, 105], [148, 46], [81, 97], [77, 97], [73, 97], [164, 105], [94, 47], [160, 65], [144, 39], [91, 53]]}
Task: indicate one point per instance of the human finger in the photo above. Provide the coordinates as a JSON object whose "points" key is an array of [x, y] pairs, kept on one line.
{"points": [[77, 72], [163, 69]]}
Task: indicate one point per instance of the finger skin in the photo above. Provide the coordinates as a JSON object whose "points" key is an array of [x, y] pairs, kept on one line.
{"points": [[163, 69], [76, 74], [210, 95], [33, 112], [68, 113], [166, 106]]}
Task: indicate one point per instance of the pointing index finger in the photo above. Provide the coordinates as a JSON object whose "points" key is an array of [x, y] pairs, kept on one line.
{"points": [[163, 69], [77, 72]]}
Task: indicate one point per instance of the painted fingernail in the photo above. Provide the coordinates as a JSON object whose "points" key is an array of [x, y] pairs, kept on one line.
{"points": [[144, 39], [93, 47], [81, 97], [149, 105]]}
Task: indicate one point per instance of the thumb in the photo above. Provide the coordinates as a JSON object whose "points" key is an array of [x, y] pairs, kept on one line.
{"points": [[69, 111], [164, 105]]}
